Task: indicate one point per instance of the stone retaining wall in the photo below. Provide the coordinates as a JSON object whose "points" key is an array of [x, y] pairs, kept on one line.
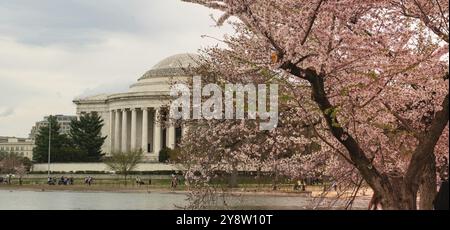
{"points": [[101, 167]]}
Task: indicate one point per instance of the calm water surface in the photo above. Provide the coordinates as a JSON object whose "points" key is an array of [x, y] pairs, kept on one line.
{"points": [[61, 200]]}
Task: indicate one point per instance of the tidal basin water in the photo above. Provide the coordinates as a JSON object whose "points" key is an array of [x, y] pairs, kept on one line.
{"points": [[61, 200]]}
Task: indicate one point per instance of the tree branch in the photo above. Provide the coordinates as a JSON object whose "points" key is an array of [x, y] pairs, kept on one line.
{"points": [[311, 22], [402, 120]]}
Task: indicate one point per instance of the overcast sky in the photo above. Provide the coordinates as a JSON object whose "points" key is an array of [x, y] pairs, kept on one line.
{"points": [[52, 51]]}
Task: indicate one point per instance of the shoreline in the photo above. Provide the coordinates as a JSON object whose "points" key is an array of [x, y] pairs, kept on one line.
{"points": [[78, 188]]}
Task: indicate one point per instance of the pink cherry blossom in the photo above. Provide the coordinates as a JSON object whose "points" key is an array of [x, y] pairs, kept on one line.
{"points": [[363, 93]]}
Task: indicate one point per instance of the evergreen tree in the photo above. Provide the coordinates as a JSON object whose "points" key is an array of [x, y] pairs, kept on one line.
{"points": [[62, 149], [86, 136]]}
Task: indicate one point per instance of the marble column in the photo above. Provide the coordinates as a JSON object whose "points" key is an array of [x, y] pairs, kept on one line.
{"points": [[117, 131], [124, 130], [170, 136], [111, 130], [145, 130], [156, 133], [133, 129], [184, 130]]}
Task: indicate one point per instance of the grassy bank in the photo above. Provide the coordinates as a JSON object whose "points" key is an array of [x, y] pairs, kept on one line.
{"points": [[157, 183]]}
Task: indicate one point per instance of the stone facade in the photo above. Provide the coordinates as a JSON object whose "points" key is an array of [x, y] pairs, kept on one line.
{"points": [[63, 121], [21, 146], [101, 167]]}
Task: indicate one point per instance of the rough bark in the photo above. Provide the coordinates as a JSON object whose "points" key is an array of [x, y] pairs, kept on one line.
{"points": [[427, 142], [428, 185]]}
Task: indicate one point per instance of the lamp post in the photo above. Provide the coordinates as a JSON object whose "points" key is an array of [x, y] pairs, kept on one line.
{"points": [[49, 145]]}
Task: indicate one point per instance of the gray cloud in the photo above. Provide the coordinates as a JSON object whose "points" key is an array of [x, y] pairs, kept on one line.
{"points": [[53, 21], [73, 22], [6, 111], [54, 51], [12, 92]]}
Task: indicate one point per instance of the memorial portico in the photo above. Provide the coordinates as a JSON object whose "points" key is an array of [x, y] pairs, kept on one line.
{"points": [[132, 130], [132, 119]]}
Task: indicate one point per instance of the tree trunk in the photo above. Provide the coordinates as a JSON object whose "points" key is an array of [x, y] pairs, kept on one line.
{"points": [[258, 176], [428, 185], [233, 182], [400, 202], [402, 196], [275, 179], [423, 153]]}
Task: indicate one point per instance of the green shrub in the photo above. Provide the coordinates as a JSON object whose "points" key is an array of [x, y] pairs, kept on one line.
{"points": [[164, 155]]}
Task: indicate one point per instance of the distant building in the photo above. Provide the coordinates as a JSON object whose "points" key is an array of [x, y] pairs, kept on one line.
{"points": [[21, 146], [63, 121]]}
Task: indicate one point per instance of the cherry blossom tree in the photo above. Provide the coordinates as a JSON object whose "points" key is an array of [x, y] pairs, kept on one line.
{"points": [[369, 78], [12, 163]]}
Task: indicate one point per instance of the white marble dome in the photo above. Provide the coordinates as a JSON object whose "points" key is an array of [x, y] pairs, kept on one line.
{"points": [[169, 69], [178, 61]]}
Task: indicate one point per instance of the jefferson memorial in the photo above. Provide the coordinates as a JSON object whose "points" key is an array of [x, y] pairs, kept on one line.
{"points": [[131, 118]]}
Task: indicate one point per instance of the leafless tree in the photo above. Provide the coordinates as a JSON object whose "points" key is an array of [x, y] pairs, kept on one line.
{"points": [[124, 162]]}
